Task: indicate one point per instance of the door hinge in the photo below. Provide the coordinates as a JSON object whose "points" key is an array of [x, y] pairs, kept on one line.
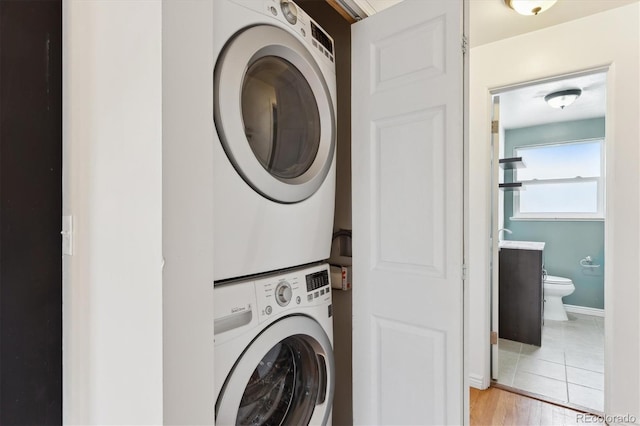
{"points": [[465, 44], [464, 272], [494, 337], [495, 126]]}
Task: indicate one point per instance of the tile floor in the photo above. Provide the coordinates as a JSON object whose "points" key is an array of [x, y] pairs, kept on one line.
{"points": [[568, 367]]}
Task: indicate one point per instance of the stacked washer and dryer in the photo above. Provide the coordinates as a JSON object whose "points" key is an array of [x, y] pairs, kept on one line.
{"points": [[274, 174]]}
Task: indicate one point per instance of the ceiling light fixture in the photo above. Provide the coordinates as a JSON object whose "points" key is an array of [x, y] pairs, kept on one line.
{"points": [[530, 7], [562, 98]]}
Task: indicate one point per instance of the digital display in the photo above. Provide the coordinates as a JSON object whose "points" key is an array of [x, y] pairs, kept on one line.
{"points": [[322, 38], [317, 280]]}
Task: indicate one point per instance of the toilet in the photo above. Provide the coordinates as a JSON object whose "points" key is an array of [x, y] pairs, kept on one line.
{"points": [[555, 288]]}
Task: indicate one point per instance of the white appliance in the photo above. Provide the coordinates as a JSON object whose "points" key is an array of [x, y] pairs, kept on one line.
{"points": [[274, 157], [273, 349]]}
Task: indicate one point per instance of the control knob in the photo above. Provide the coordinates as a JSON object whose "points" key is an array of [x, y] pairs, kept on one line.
{"points": [[283, 293], [289, 11]]}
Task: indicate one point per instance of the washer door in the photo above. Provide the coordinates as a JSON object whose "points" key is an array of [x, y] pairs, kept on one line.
{"points": [[274, 113], [285, 377]]}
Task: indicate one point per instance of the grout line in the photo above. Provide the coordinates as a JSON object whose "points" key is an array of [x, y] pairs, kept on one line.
{"points": [[513, 375], [515, 370], [566, 375], [585, 386], [543, 360], [585, 369]]}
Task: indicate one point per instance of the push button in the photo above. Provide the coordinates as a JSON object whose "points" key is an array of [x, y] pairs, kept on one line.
{"points": [[268, 310]]}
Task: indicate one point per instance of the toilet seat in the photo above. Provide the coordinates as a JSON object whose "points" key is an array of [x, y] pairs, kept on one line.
{"points": [[552, 279]]}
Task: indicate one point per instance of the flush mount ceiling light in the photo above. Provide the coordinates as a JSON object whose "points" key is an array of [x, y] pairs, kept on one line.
{"points": [[530, 7], [562, 98]]}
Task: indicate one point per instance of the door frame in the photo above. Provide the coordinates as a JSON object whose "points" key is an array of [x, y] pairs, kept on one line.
{"points": [[496, 200], [492, 234]]}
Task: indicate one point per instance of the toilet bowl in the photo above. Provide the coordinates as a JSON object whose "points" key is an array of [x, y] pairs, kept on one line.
{"points": [[555, 288]]}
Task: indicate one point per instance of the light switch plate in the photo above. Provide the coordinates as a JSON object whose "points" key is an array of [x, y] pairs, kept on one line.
{"points": [[67, 235]]}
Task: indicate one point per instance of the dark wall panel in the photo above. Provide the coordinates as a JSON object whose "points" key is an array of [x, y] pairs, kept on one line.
{"points": [[30, 212]]}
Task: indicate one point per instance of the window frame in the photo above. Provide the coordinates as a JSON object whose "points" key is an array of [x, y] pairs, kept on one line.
{"points": [[598, 215]]}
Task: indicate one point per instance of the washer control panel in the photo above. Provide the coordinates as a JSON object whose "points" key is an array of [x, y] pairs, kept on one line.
{"points": [[294, 290], [317, 284], [283, 293]]}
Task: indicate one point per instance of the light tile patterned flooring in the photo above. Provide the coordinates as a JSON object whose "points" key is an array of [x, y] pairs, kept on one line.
{"points": [[568, 367]]}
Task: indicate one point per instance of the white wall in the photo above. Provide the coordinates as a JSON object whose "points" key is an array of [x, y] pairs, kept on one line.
{"points": [[607, 39], [112, 285], [187, 232]]}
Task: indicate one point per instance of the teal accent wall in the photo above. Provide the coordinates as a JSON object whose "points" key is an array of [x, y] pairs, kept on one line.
{"points": [[567, 242]]}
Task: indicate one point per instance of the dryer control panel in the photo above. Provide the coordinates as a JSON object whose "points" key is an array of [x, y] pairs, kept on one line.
{"points": [[295, 290], [290, 13]]}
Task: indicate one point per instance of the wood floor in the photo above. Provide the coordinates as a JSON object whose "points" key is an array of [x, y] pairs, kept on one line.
{"points": [[500, 407]]}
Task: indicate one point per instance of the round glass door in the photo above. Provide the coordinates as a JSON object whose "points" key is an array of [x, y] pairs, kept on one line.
{"points": [[274, 114], [284, 386], [281, 119], [288, 382]]}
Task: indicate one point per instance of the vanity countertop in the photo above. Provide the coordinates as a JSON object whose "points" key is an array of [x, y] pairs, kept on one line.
{"points": [[522, 245]]}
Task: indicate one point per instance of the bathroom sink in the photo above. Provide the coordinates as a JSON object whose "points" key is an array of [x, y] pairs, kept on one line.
{"points": [[522, 245]]}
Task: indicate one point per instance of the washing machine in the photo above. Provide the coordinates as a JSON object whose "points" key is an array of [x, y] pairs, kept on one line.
{"points": [[274, 157], [274, 349]]}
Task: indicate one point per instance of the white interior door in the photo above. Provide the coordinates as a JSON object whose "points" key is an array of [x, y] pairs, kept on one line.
{"points": [[407, 167]]}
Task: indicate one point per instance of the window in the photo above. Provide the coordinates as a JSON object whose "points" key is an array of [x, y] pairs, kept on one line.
{"points": [[561, 181]]}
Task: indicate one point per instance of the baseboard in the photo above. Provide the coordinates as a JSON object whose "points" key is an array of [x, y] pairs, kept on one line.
{"points": [[477, 382], [596, 312]]}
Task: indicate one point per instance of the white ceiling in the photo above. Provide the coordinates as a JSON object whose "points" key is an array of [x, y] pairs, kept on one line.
{"points": [[493, 20], [525, 106]]}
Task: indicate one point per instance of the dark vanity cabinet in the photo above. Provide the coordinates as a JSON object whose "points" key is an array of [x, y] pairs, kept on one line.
{"points": [[521, 295]]}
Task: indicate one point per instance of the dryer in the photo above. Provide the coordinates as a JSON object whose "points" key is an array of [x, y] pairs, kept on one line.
{"points": [[273, 349], [274, 157]]}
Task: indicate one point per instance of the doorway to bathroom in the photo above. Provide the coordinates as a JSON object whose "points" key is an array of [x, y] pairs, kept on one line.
{"points": [[548, 226]]}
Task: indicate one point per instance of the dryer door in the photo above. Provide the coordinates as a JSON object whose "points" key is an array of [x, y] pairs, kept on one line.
{"points": [[284, 377], [274, 113]]}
